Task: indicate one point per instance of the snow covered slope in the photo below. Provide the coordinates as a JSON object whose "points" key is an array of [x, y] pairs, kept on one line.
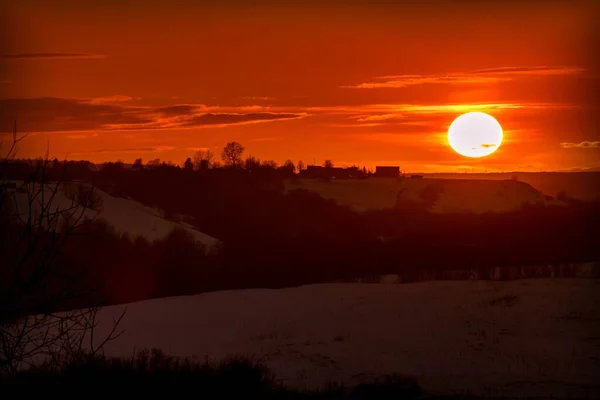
{"points": [[450, 194], [127, 216], [529, 337]]}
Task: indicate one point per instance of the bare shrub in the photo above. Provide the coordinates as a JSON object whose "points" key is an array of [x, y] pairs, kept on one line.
{"points": [[34, 285], [83, 195]]}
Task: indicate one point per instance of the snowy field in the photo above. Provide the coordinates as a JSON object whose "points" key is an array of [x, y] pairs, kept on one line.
{"points": [[125, 215], [528, 337]]}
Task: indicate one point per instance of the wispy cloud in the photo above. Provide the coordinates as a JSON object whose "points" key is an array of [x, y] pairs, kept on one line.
{"points": [[202, 120], [120, 112], [481, 76], [402, 81], [194, 148], [44, 56], [367, 112], [581, 145], [115, 113], [378, 117], [82, 136], [420, 117], [110, 99], [257, 98], [535, 70], [149, 149], [356, 125], [395, 111], [177, 109]]}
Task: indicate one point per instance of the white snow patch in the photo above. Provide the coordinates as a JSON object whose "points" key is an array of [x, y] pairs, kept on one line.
{"points": [[529, 337], [125, 215]]}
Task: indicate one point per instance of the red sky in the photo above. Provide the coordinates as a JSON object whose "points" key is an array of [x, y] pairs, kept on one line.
{"points": [[349, 81]]}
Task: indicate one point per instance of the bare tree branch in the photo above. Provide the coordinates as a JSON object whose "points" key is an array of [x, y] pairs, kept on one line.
{"points": [[30, 329]]}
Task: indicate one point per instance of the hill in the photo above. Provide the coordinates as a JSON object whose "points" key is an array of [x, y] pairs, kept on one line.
{"points": [[583, 185], [125, 215], [443, 195]]}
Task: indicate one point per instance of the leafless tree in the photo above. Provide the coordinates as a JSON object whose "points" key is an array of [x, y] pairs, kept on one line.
{"points": [[290, 166], [269, 164], [34, 283], [154, 163], [252, 163], [232, 154], [138, 164], [203, 159], [188, 165]]}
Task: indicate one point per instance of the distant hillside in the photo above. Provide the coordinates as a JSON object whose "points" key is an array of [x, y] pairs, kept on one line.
{"points": [[442, 195], [125, 215], [584, 185]]}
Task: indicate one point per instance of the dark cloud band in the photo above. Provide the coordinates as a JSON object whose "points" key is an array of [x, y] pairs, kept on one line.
{"points": [[62, 114]]}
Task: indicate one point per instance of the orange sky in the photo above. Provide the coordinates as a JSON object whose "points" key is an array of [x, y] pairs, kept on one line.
{"points": [[347, 81]]}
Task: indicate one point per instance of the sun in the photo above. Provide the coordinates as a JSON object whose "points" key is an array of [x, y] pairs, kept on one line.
{"points": [[475, 134]]}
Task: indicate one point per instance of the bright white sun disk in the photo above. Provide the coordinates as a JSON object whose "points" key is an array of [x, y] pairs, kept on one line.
{"points": [[475, 134]]}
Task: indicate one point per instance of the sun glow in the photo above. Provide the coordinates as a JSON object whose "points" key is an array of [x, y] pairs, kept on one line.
{"points": [[475, 134]]}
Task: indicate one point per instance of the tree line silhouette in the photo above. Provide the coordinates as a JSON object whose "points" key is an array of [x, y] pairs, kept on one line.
{"points": [[278, 238]]}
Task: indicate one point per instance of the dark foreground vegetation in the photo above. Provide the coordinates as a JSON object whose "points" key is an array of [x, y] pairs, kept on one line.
{"points": [[152, 373]]}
